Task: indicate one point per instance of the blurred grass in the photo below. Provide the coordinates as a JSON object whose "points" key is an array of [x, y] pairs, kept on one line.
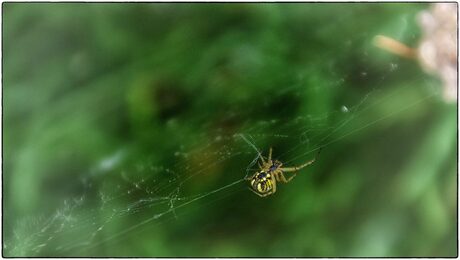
{"points": [[83, 81]]}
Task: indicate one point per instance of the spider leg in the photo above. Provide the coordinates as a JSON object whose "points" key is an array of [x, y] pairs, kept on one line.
{"points": [[274, 185], [296, 168], [283, 178], [262, 158], [276, 176], [270, 154]]}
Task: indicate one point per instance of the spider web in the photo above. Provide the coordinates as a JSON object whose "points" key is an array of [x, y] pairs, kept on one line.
{"points": [[153, 194]]}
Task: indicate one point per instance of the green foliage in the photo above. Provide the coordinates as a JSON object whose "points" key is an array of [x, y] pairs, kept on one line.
{"points": [[166, 88]]}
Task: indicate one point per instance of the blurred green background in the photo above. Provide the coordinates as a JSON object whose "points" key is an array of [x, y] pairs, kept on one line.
{"points": [[121, 123]]}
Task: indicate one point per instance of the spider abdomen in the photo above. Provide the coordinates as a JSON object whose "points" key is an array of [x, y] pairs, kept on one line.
{"points": [[262, 183]]}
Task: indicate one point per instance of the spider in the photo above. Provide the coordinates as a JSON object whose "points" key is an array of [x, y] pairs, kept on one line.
{"points": [[263, 182]]}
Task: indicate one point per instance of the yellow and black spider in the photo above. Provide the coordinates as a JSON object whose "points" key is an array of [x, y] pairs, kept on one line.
{"points": [[263, 182]]}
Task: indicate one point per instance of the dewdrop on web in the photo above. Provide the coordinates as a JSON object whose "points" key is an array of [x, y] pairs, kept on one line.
{"points": [[437, 49]]}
